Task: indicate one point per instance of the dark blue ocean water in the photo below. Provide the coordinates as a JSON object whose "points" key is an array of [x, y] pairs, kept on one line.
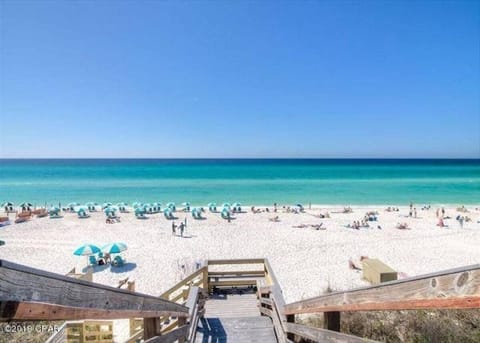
{"points": [[250, 181]]}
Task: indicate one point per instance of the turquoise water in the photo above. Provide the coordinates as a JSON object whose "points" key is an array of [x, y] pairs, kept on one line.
{"points": [[248, 181]]}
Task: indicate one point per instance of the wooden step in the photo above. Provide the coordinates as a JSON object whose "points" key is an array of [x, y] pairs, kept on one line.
{"points": [[236, 330]]}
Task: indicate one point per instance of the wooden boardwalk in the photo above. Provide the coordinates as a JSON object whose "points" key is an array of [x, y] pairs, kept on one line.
{"points": [[234, 318]]}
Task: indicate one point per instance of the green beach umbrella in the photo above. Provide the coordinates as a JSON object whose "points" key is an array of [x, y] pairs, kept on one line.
{"points": [[226, 204], [8, 203]]}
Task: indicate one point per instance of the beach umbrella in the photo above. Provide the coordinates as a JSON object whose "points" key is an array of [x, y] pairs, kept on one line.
{"points": [[171, 205], [185, 204], [8, 203], [109, 210], [139, 210], [226, 204], [81, 209], [26, 204], [73, 204], [212, 204], [114, 248], [86, 250], [137, 204], [106, 204], [54, 211]]}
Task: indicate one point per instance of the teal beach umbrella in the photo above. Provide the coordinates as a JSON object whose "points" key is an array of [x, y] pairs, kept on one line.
{"points": [[86, 250], [114, 248]]}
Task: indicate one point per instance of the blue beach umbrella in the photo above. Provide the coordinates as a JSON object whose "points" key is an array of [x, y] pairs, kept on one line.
{"points": [[26, 204], [86, 250], [226, 205], [114, 248], [171, 206]]}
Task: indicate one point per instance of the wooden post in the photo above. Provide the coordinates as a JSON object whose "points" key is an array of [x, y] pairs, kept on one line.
{"points": [[290, 319], [331, 321], [151, 327], [181, 322]]}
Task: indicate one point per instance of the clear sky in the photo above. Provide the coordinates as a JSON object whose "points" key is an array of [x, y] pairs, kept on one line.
{"points": [[240, 79]]}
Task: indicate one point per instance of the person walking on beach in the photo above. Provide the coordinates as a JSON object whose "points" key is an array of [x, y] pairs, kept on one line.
{"points": [[173, 228], [415, 212], [182, 227]]}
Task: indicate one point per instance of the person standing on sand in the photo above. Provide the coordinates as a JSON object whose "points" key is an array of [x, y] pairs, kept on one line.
{"points": [[415, 212], [173, 228], [185, 222], [182, 227]]}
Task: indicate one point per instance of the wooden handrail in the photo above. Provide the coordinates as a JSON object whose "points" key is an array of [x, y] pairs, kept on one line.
{"points": [[322, 335], [238, 261], [31, 294], [457, 288]]}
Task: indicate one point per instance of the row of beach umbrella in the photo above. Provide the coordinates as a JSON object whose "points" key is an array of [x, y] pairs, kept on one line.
{"points": [[90, 249]]}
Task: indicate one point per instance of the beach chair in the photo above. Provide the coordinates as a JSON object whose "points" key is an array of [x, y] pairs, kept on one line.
{"points": [[225, 214], [168, 214], [118, 261], [140, 215], [92, 260], [83, 214]]}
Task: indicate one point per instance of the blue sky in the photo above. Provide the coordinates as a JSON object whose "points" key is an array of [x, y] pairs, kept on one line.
{"points": [[240, 79]]}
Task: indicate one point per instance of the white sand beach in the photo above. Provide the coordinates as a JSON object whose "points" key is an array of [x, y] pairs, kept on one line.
{"points": [[306, 260]]}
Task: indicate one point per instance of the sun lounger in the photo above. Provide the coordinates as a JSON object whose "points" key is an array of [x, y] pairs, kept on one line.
{"points": [[118, 261], [92, 260]]}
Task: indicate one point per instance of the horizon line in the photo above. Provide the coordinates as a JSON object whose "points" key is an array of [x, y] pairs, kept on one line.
{"points": [[240, 158]]}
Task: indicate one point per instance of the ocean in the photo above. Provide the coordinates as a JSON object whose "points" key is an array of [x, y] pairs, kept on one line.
{"points": [[248, 181]]}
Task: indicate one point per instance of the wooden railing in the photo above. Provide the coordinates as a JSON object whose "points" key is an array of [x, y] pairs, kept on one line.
{"points": [[31, 294], [451, 289]]}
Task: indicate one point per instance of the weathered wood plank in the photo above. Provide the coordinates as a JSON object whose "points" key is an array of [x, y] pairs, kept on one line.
{"points": [[236, 261], [200, 272], [231, 283], [42, 311], [151, 327], [457, 288], [236, 273], [38, 295], [321, 335], [170, 337]]}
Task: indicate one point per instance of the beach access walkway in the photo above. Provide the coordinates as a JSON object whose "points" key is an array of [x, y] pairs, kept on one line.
{"points": [[234, 316], [222, 301]]}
